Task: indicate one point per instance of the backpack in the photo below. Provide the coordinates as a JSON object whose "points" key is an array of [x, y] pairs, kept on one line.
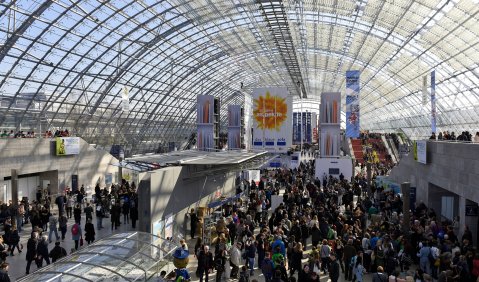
{"points": [[267, 267], [75, 229], [330, 234]]}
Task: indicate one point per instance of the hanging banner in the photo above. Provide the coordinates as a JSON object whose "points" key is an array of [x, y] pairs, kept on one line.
{"points": [[272, 112], [205, 137], [235, 121], [424, 90], [352, 104], [433, 101], [296, 129]]}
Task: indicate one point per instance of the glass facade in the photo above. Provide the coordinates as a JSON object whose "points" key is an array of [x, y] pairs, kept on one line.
{"points": [[128, 72]]}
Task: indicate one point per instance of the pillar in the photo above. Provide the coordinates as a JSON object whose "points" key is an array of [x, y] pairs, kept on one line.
{"points": [[14, 186], [406, 191], [462, 215]]}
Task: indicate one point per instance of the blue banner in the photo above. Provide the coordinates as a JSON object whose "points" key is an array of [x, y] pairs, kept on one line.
{"points": [[433, 101], [296, 129], [352, 104]]}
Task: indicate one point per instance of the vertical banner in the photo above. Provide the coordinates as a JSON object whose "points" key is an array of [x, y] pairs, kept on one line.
{"points": [[234, 127], [272, 112], [296, 129], [205, 110], [352, 104], [330, 124], [424, 90], [433, 101]]}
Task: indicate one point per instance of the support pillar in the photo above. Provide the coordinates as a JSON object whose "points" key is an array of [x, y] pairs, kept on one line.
{"points": [[461, 215], [406, 191], [14, 186]]}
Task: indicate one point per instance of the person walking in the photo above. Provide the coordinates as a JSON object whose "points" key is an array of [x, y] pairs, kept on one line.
{"points": [[77, 213], [53, 221], [57, 252], [99, 216], [88, 211], [70, 203], [193, 222], [89, 232], [31, 250], [42, 251], [133, 214], [115, 216], [235, 259], [348, 252], [62, 222], [333, 268], [4, 272], [125, 210], [14, 240], [76, 234], [380, 276], [205, 263]]}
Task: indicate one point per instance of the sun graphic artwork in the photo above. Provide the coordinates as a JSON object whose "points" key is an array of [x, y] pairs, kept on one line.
{"points": [[270, 111]]}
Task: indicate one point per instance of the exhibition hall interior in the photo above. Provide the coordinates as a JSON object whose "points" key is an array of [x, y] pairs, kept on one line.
{"points": [[239, 140]]}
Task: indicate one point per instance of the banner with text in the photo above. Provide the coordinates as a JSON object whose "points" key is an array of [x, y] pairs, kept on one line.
{"points": [[67, 146], [272, 112], [352, 104]]}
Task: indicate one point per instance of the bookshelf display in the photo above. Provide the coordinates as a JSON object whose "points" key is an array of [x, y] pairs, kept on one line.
{"points": [[330, 120]]}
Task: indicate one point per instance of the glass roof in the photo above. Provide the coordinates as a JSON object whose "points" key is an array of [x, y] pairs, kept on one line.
{"points": [[130, 256], [70, 64]]}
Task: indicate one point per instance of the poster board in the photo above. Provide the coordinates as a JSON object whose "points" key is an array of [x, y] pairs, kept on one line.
{"points": [[272, 123], [420, 151], [67, 146]]}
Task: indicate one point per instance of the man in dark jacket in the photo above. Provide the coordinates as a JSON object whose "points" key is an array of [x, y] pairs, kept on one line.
{"points": [[193, 222], [31, 250], [4, 272], [57, 252], [380, 276], [205, 263], [348, 253], [333, 268]]}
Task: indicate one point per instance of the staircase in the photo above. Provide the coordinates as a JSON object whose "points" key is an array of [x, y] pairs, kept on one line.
{"points": [[357, 149]]}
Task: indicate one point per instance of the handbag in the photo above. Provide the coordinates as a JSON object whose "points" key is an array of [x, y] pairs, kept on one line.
{"points": [[81, 241]]}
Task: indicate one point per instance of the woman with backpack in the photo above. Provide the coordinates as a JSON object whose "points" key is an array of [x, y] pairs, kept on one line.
{"points": [[76, 234]]}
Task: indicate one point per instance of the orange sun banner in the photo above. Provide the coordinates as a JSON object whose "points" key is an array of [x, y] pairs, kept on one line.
{"points": [[272, 117]]}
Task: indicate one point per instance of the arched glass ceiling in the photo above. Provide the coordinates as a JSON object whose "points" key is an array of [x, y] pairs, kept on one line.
{"points": [[66, 63]]}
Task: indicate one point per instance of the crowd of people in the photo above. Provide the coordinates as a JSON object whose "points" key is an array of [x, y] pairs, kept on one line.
{"points": [[465, 136], [52, 224], [31, 134], [335, 227]]}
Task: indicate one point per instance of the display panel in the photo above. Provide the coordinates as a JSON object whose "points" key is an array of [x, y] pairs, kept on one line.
{"points": [[272, 112], [67, 146]]}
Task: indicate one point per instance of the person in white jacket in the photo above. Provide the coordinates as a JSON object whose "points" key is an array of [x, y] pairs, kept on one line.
{"points": [[235, 259]]}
